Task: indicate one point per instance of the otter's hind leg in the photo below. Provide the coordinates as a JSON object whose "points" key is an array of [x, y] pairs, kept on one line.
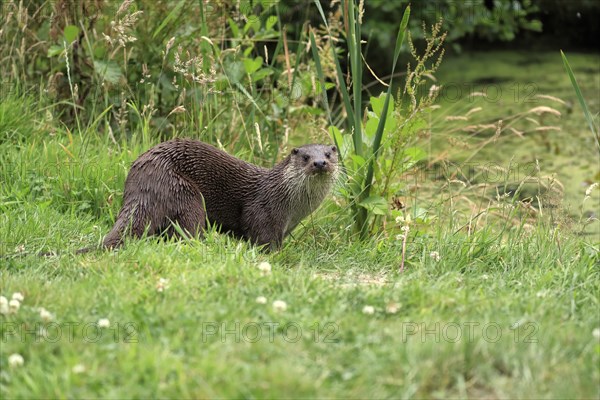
{"points": [[153, 213], [191, 214]]}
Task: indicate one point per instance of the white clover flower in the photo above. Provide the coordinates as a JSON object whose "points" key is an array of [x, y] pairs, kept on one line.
{"points": [[14, 305], [261, 300], [392, 308], [435, 256], [264, 268], [404, 220], [368, 310], [45, 315], [15, 360], [103, 323], [3, 300], [162, 284], [78, 369], [596, 333], [485, 277], [279, 305], [399, 237], [405, 228], [18, 296]]}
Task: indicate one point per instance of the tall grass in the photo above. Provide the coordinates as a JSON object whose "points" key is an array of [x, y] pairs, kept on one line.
{"points": [[586, 111], [353, 105]]}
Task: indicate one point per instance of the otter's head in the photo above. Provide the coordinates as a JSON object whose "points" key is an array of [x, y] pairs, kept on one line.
{"points": [[315, 159]]}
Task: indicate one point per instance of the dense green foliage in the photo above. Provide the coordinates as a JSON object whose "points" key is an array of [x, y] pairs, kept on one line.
{"points": [[490, 21], [474, 314], [102, 66]]}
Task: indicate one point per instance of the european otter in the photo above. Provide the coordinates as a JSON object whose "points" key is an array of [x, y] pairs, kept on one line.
{"points": [[187, 182]]}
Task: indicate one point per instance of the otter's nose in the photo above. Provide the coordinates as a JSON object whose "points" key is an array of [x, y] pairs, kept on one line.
{"points": [[320, 164]]}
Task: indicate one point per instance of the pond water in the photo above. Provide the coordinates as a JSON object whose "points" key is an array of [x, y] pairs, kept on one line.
{"points": [[546, 134]]}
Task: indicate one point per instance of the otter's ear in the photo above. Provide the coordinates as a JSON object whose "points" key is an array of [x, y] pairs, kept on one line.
{"points": [[334, 149], [295, 151]]}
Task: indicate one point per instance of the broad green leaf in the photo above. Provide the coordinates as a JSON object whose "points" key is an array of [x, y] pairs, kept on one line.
{"points": [[535, 25], [253, 23], [373, 119], [235, 29], [245, 7], [347, 145], [297, 91], [415, 153], [377, 103], [268, 4], [55, 50], [261, 74], [252, 65], [99, 51], [375, 204], [248, 50], [371, 127], [343, 142], [413, 126], [108, 71], [359, 161], [271, 21], [71, 32], [235, 71]]}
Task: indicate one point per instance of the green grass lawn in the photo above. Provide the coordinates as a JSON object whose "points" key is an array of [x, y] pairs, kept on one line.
{"points": [[499, 311], [497, 316]]}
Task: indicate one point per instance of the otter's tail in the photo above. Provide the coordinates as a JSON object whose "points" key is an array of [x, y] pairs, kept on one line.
{"points": [[124, 225]]}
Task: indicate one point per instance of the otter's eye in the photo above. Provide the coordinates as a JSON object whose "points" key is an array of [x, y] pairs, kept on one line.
{"points": [[328, 154], [306, 157], [295, 151]]}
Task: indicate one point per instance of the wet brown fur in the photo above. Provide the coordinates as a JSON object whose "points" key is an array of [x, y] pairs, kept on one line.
{"points": [[188, 182]]}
